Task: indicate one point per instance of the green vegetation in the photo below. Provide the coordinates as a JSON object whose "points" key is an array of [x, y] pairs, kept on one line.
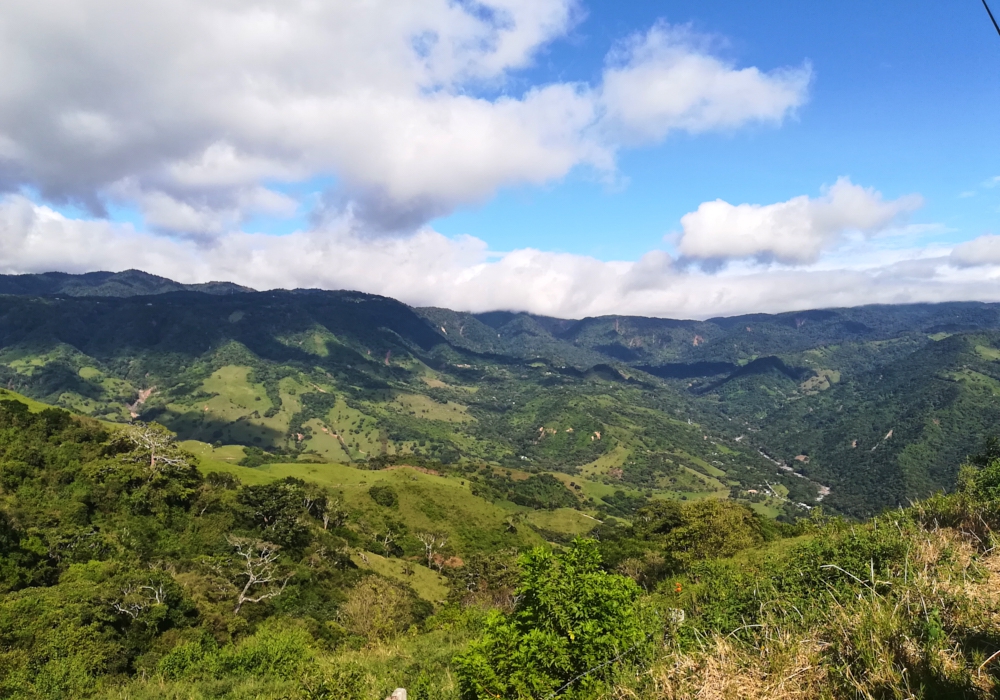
{"points": [[362, 496], [131, 568], [574, 629], [866, 408]]}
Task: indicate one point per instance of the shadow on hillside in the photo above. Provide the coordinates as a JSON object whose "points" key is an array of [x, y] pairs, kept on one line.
{"points": [[212, 429]]}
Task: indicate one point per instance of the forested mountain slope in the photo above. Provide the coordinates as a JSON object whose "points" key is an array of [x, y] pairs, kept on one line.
{"points": [[105, 284], [642, 405], [893, 434]]}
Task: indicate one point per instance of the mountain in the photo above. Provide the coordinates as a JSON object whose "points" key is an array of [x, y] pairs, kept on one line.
{"points": [[762, 408], [344, 377], [105, 284], [893, 434]]}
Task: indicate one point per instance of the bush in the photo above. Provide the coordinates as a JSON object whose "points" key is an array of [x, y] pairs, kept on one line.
{"points": [[271, 652], [377, 609], [384, 495], [574, 627]]}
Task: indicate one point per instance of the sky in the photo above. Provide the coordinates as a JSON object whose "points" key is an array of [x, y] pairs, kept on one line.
{"points": [[569, 158]]}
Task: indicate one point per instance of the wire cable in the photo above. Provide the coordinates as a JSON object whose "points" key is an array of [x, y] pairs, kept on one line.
{"points": [[995, 25]]}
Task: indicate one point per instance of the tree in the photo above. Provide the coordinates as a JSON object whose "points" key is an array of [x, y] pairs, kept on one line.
{"points": [[274, 509], [384, 495], [256, 565], [710, 529], [433, 543], [377, 609], [573, 627], [491, 580], [137, 599], [158, 443]]}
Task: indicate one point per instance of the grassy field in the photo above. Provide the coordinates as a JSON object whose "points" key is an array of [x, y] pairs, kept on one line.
{"points": [[428, 584], [427, 503]]}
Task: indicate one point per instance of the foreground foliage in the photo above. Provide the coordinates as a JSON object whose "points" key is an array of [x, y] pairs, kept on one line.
{"points": [[125, 572]]}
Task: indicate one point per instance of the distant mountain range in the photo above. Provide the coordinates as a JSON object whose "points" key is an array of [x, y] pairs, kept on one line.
{"points": [[106, 284], [878, 403]]}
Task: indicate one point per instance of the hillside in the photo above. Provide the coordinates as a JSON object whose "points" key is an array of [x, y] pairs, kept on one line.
{"points": [[645, 406], [134, 566], [343, 377], [895, 432], [105, 284]]}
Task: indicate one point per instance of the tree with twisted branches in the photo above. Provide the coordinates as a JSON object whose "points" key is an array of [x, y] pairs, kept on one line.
{"points": [[158, 443], [257, 570]]}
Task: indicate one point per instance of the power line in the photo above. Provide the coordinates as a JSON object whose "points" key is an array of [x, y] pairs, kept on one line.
{"points": [[995, 25]]}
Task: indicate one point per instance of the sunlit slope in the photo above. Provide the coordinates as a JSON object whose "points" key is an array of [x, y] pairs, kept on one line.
{"points": [[427, 502], [895, 434], [666, 408]]}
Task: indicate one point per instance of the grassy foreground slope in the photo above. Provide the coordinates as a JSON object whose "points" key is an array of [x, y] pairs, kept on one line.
{"points": [[133, 568]]}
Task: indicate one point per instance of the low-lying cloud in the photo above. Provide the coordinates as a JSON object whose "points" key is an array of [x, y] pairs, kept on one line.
{"points": [[793, 232], [984, 250], [428, 268]]}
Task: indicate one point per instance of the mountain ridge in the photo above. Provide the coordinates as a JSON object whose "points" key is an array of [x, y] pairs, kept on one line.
{"points": [[644, 405]]}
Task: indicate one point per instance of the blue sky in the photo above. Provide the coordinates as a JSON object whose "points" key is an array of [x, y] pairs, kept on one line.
{"points": [[558, 156], [905, 98]]}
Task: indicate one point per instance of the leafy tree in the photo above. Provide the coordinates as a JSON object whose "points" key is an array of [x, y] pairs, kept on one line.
{"points": [[573, 628], [384, 495], [712, 528], [377, 609], [489, 579], [273, 509]]}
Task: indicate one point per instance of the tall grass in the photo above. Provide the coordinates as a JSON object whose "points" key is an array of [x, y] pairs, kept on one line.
{"points": [[921, 622]]}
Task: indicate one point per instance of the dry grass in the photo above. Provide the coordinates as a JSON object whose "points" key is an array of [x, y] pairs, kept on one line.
{"points": [[782, 667], [925, 634]]}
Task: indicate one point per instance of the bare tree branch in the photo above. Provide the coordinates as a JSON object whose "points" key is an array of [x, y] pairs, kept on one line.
{"points": [[433, 543], [258, 563]]}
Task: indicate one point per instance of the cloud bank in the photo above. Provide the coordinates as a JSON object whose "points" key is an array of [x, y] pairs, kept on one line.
{"points": [[195, 111], [796, 231], [461, 273]]}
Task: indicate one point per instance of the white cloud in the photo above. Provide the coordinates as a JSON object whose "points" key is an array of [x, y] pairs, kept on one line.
{"points": [[796, 231], [186, 105], [661, 81], [984, 250], [430, 269]]}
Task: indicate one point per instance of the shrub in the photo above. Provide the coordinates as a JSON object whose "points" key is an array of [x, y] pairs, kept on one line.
{"points": [[271, 652], [384, 495], [574, 627]]}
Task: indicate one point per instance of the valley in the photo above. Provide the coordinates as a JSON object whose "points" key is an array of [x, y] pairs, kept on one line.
{"points": [[770, 410]]}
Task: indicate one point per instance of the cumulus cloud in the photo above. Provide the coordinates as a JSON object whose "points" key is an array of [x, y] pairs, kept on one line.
{"points": [[796, 231], [184, 107], [984, 250], [461, 273], [661, 81]]}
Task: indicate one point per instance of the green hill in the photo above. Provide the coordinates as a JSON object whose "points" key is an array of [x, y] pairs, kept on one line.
{"points": [[134, 566], [651, 407], [105, 284]]}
